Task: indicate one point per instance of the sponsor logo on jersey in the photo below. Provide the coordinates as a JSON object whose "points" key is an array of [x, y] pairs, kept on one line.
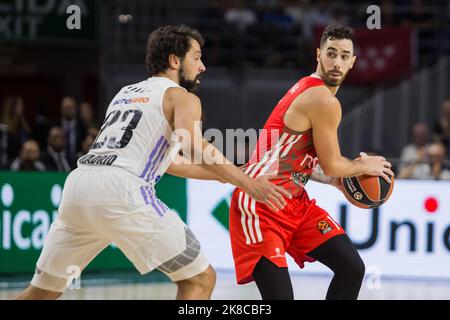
{"points": [[278, 254], [131, 100], [310, 161], [324, 227], [299, 179]]}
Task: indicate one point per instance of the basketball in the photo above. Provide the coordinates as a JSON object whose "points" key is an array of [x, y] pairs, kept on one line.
{"points": [[367, 191]]}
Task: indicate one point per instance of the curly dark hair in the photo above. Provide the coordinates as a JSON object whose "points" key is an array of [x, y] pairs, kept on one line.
{"points": [[339, 32], [168, 40]]}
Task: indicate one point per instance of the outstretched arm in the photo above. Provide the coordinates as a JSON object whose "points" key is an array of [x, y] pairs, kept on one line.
{"points": [[186, 117], [183, 168]]}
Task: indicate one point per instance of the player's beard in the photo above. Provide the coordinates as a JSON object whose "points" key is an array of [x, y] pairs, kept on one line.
{"points": [[188, 84], [329, 81]]}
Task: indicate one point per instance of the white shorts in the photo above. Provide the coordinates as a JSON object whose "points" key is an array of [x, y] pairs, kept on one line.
{"points": [[104, 205]]}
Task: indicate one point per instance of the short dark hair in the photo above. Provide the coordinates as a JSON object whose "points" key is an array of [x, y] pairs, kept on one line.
{"points": [[339, 32], [168, 40]]}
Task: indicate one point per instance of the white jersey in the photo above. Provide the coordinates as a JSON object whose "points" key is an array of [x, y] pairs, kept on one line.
{"points": [[135, 135]]}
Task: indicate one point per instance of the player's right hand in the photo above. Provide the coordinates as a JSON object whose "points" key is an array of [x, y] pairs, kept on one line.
{"points": [[378, 166], [273, 196]]}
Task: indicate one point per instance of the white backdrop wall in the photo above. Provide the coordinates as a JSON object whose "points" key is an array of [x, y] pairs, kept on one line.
{"points": [[409, 236]]}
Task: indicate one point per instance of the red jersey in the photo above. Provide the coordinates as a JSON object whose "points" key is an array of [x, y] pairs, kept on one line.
{"points": [[298, 228], [285, 153]]}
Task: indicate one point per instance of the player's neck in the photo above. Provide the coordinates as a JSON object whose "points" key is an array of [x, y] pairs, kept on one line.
{"points": [[333, 89], [169, 75]]}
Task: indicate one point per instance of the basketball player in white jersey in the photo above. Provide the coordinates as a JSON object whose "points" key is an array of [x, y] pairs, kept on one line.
{"points": [[110, 197]]}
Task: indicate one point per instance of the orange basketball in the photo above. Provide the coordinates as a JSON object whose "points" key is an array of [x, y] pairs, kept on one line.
{"points": [[367, 191]]}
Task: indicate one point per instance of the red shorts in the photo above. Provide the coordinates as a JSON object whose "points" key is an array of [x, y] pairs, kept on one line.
{"points": [[256, 231]]}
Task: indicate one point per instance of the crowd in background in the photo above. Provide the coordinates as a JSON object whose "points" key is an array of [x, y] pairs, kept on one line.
{"points": [[53, 148], [426, 157], [291, 24], [57, 147]]}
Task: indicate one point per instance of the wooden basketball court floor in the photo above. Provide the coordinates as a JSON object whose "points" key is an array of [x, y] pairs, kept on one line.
{"points": [[306, 287]]}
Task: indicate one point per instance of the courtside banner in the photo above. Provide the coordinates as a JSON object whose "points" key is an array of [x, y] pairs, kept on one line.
{"points": [[409, 236], [29, 203]]}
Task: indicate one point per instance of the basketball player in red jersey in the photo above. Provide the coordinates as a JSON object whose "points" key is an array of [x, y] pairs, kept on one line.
{"points": [[301, 133]]}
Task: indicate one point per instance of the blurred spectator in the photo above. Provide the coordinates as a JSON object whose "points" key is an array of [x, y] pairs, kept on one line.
{"points": [[441, 128], [88, 140], [87, 115], [41, 124], [422, 20], [93, 132], [414, 155], [338, 14], [277, 16], [276, 33], [435, 167], [387, 11], [210, 22], [54, 158], [74, 129], [18, 128], [418, 16], [86, 145], [240, 15], [294, 9], [439, 167], [28, 160], [315, 16]]}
